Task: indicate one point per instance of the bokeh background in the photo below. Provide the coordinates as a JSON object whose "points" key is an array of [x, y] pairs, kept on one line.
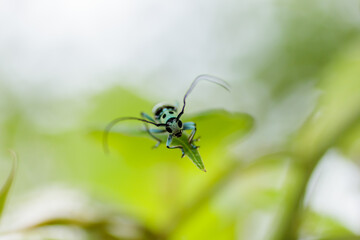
{"points": [[283, 157]]}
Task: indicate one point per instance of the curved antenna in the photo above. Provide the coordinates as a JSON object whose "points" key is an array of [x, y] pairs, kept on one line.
{"points": [[115, 121], [205, 77]]}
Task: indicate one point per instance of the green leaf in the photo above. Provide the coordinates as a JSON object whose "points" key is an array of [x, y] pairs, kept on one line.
{"points": [[215, 126], [219, 127], [5, 189], [159, 175], [191, 152]]}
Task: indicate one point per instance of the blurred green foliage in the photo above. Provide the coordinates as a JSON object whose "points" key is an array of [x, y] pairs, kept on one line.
{"points": [[312, 34], [154, 194]]}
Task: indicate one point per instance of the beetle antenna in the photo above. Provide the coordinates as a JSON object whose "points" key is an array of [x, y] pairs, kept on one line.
{"points": [[205, 77], [115, 121]]}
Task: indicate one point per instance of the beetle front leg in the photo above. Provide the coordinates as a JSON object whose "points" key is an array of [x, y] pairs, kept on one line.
{"points": [[168, 142], [151, 131], [147, 116], [191, 126], [154, 130]]}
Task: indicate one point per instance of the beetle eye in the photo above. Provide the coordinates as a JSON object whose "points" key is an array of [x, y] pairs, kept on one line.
{"points": [[179, 123], [168, 129]]}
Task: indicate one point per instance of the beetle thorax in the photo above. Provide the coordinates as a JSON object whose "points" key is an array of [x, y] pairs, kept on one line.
{"points": [[163, 112], [166, 114]]}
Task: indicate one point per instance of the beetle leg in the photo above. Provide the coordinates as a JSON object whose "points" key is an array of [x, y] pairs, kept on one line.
{"points": [[151, 131], [168, 142], [147, 116], [154, 130], [191, 126]]}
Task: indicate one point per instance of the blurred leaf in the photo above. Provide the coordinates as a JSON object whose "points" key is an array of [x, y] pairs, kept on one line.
{"points": [[114, 103], [215, 127], [219, 127], [318, 226], [160, 175], [207, 224], [191, 152], [4, 191], [338, 110]]}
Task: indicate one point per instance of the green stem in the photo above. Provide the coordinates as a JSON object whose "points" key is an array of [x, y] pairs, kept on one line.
{"points": [[291, 221]]}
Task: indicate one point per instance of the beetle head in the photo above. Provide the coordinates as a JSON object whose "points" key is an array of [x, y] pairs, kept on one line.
{"points": [[174, 126]]}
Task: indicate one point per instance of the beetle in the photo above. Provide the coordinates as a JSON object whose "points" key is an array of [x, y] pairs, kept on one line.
{"points": [[167, 119]]}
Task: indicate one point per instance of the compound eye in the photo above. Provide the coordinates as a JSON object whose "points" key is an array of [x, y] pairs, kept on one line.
{"points": [[168, 129], [179, 124]]}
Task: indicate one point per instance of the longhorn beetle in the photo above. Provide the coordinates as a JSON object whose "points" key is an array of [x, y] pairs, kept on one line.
{"points": [[166, 118]]}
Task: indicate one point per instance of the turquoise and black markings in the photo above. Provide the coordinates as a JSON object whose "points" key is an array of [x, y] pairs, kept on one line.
{"points": [[167, 119]]}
